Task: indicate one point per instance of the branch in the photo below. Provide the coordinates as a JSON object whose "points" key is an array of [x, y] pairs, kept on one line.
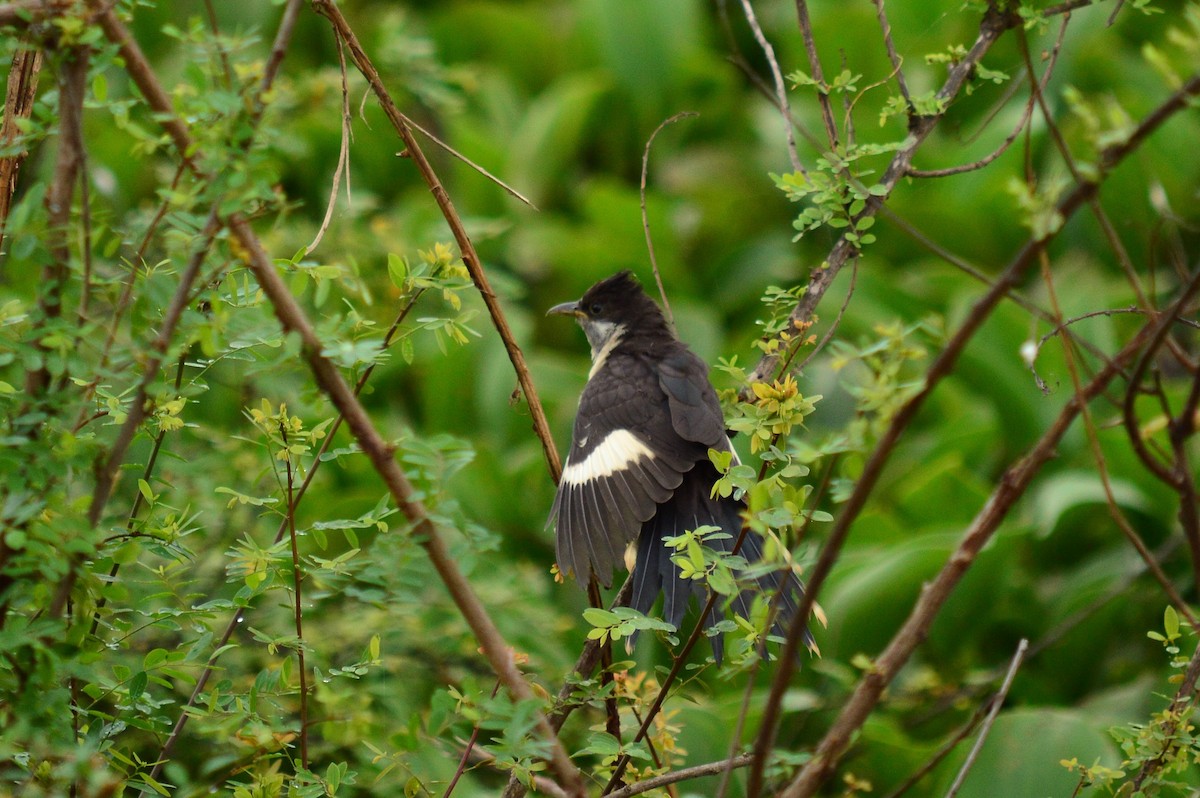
{"points": [[777, 77], [380, 453], [404, 126], [994, 24], [941, 367], [646, 219], [674, 777], [72, 83], [818, 75], [18, 104], [935, 593], [996, 702]]}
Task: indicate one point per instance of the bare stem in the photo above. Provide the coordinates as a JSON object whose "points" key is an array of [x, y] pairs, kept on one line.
{"points": [[996, 703]]}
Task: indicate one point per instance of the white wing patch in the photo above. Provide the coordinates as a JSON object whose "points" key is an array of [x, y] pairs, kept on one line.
{"points": [[619, 450]]}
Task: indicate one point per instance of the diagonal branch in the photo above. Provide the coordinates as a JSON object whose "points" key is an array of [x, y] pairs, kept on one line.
{"points": [[934, 595], [940, 368], [994, 24], [404, 127]]}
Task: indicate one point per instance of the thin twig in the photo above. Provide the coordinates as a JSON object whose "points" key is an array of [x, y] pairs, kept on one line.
{"points": [[997, 702], [467, 752], [1021, 125], [780, 87], [297, 598], [818, 75], [646, 219], [886, 28], [683, 774], [343, 162]]}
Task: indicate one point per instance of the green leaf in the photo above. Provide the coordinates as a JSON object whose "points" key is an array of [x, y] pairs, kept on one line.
{"points": [[1171, 622], [137, 685], [397, 270]]}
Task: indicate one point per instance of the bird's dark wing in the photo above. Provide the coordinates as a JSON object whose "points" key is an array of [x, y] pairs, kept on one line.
{"points": [[626, 459], [695, 409]]}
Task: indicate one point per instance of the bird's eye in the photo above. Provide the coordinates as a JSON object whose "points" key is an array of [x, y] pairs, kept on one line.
{"points": [[596, 308]]}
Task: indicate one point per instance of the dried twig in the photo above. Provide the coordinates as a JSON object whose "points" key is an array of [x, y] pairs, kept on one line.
{"points": [[343, 162], [780, 88], [996, 702], [662, 292]]}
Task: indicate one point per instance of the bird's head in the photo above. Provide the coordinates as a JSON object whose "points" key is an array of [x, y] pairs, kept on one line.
{"points": [[613, 308]]}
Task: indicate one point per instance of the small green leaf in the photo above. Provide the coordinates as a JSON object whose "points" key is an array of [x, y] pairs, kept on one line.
{"points": [[1171, 622], [397, 270], [137, 685]]}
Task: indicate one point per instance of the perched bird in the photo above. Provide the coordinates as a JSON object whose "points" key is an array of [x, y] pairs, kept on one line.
{"points": [[638, 467]]}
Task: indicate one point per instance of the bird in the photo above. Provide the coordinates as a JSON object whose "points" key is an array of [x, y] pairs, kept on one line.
{"points": [[638, 468]]}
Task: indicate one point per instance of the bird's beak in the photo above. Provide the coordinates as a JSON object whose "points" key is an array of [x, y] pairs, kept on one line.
{"points": [[565, 309]]}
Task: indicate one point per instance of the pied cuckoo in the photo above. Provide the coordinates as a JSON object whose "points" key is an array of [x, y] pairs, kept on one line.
{"points": [[638, 466]]}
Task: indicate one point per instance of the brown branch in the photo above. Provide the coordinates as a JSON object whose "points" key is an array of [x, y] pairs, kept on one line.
{"points": [[941, 367], [331, 382], [72, 82], [994, 24], [1114, 509], [380, 453], [18, 104], [404, 127], [934, 594], [1038, 87], [818, 75]]}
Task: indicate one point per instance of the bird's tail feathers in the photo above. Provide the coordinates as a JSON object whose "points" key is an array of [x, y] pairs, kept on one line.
{"points": [[691, 507]]}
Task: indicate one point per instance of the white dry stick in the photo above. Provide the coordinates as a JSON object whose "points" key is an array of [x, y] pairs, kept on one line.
{"points": [[997, 702]]}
